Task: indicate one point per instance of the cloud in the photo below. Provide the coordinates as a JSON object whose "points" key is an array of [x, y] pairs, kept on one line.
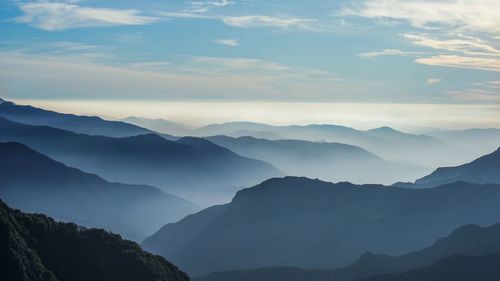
{"points": [[476, 95], [51, 16], [478, 15], [389, 52], [249, 21], [267, 21], [431, 81], [181, 78], [204, 6], [227, 42], [456, 61], [464, 44]]}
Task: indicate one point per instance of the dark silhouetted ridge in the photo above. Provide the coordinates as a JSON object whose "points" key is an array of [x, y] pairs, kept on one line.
{"points": [[36, 248], [485, 169], [300, 222]]}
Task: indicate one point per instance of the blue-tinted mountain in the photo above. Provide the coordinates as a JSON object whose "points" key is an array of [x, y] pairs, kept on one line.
{"points": [[192, 168], [454, 268], [326, 161], [472, 142], [307, 223], [90, 125], [161, 126], [37, 248], [485, 169], [469, 240], [33, 182], [386, 142]]}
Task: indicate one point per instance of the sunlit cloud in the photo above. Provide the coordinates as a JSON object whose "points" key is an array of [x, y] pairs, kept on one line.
{"points": [[51, 16], [481, 15], [488, 64], [464, 44]]}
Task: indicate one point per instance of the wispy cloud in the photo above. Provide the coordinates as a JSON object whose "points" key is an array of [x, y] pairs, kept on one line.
{"points": [[390, 52], [248, 21], [480, 15], [182, 77], [456, 61], [267, 21], [445, 22], [52, 16], [227, 42], [460, 43], [204, 6], [431, 81]]}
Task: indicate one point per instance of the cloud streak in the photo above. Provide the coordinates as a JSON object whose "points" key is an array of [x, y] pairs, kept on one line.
{"points": [[227, 42], [248, 21], [52, 16], [390, 52]]}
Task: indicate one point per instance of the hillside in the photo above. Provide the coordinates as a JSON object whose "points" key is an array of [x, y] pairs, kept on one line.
{"points": [[307, 223], [326, 161], [36, 248], [485, 169], [192, 168], [33, 182], [91, 125]]}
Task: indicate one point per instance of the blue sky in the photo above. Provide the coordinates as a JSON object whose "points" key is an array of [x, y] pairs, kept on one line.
{"points": [[365, 51]]}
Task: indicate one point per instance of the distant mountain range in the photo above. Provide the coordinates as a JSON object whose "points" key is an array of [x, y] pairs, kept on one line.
{"points": [[161, 125], [35, 183], [473, 142], [470, 241], [422, 150], [485, 169], [35, 247], [326, 161], [313, 224], [90, 125], [192, 168]]}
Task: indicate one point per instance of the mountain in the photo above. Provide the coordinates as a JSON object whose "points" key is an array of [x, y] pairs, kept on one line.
{"points": [[422, 150], [35, 183], [485, 169], [36, 248], [90, 125], [454, 268], [469, 240], [474, 142], [326, 161], [307, 223], [161, 125], [189, 167]]}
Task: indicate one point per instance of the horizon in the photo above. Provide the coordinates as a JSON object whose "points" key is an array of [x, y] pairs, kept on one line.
{"points": [[362, 116]]}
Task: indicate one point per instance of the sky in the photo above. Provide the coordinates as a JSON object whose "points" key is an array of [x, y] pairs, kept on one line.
{"points": [[363, 61]]}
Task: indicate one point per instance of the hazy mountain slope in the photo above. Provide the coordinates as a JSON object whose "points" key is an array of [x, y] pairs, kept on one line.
{"points": [[466, 240], [192, 168], [90, 125], [474, 142], [313, 224], [36, 248], [161, 126], [35, 183], [326, 161], [390, 144], [454, 268], [485, 169]]}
